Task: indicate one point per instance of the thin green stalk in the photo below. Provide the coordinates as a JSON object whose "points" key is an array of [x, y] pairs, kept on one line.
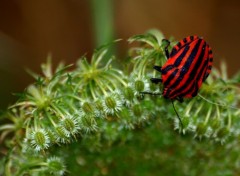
{"points": [[102, 14], [208, 115], [103, 23]]}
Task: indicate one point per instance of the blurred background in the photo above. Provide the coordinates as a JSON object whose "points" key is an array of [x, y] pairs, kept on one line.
{"points": [[68, 29]]}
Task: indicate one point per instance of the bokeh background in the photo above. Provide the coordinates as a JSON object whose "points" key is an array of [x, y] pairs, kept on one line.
{"points": [[68, 29]]}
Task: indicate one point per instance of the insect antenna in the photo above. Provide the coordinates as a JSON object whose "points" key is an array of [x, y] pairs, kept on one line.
{"points": [[217, 104], [151, 93], [177, 114]]}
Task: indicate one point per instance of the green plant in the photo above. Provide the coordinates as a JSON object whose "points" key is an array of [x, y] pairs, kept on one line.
{"points": [[94, 120]]}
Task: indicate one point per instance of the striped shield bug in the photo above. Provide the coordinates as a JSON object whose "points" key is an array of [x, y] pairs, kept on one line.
{"points": [[188, 65]]}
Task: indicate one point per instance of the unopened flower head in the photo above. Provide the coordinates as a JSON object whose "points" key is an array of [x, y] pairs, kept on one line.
{"points": [[187, 124], [62, 134], [222, 135], [139, 84], [88, 123], [99, 109], [39, 140], [202, 130], [56, 166], [128, 95], [112, 103], [87, 107], [71, 124], [127, 118], [139, 114]]}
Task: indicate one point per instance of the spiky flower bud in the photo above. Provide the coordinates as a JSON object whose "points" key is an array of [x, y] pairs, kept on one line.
{"points": [[88, 123], [222, 134], [71, 124], [139, 113], [128, 93], [52, 136], [87, 107], [99, 111], [62, 134], [39, 140], [215, 124], [139, 85], [137, 110], [99, 105], [201, 130], [56, 166], [126, 118], [185, 121], [112, 104]]}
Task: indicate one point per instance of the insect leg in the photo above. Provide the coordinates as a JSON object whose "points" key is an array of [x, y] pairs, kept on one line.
{"points": [[158, 68], [177, 115], [205, 76], [195, 89], [180, 99], [166, 47], [151, 93], [156, 80]]}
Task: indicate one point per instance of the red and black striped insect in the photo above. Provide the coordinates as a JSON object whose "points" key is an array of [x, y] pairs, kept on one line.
{"points": [[188, 65]]}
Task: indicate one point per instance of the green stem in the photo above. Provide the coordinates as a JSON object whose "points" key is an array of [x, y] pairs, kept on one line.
{"points": [[102, 14], [189, 107], [229, 119], [92, 90], [57, 110], [103, 17], [218, 112], [50, 118], [208, 115]]}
